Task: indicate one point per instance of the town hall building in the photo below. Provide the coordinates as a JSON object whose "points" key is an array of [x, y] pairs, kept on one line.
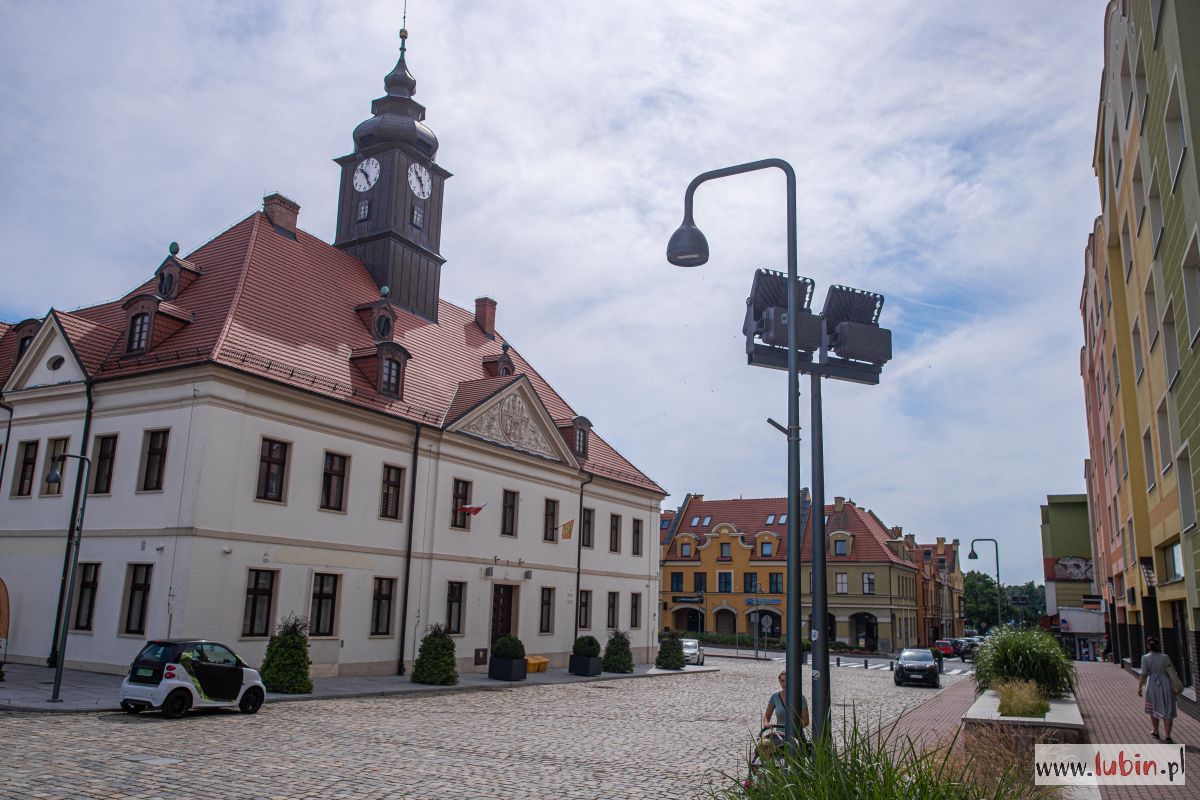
{"points": [[276, 425]]}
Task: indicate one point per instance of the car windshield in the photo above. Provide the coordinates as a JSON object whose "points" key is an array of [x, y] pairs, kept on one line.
{"points": [[159, 652], [690, 644], [916, 655]]}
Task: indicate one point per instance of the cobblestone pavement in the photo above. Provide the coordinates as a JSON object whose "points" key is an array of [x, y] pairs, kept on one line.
{"points": [[666, 737]]}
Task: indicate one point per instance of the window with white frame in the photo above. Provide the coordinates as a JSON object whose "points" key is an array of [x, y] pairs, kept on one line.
{"points": [[1175, 132], [1148, 456], [841, 581]]}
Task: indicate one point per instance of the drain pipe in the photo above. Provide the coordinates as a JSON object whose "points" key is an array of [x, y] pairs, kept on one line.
{"points": [[52, 659], [412, 505], [579, 550], [7, 436]]}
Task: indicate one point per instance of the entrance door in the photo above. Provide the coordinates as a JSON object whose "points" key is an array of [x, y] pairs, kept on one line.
{"points": [[1179, 615], [502, 610]]}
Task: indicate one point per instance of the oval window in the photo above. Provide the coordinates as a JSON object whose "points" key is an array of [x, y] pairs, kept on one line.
{"points": [[55, 363], [166, 284], [383, 327]]}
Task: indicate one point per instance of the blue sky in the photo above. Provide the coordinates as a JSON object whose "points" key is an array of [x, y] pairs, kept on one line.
{"points": [[943, 151]]}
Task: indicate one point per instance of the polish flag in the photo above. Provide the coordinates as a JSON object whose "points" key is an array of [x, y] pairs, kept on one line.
{"points": [[472, 510]]}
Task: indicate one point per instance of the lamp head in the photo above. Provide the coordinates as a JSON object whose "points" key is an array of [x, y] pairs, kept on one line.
{"points": [[54, 477], [972, 554], [688, 247]]}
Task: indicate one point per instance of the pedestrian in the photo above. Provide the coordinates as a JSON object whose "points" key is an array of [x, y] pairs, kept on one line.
{"points": [[1160, 691], [776, 706]]}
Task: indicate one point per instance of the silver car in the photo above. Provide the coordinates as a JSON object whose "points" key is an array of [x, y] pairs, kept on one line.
{"points": [[693, 653]]}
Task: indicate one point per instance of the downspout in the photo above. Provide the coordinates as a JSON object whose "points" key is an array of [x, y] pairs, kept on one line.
{"points": [[52, 659], [7, 436], [579, 550], [412, 506]]}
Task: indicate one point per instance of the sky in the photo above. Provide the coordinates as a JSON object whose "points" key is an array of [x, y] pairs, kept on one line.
{"points": [[943, 153]]}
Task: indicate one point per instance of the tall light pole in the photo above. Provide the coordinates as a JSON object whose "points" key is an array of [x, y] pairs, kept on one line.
{"points": [[973, 555], [54, 477]]}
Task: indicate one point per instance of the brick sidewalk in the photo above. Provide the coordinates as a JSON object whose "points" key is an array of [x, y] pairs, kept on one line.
{"points": [[1113, 714], [938, 718]]}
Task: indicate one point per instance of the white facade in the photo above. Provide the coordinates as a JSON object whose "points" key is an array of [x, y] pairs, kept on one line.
{"points": [[205, 530]]}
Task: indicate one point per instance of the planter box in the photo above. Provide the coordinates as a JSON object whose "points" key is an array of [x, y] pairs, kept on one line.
{"points": [[1063, 724], [588, 666], [507, 669]]}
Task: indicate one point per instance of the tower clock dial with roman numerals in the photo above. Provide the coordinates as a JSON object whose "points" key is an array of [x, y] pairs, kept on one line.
{"points": [[419, 181], [365, 174]]}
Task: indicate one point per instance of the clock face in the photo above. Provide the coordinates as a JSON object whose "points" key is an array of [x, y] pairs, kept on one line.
{"points": [[365, 174], [419, 181]]}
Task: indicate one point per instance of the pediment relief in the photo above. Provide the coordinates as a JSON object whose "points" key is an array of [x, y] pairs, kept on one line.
{"points": [[516, 419]]}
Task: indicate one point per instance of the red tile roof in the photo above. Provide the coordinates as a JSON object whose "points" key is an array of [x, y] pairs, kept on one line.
{"points": [[284, 309]]}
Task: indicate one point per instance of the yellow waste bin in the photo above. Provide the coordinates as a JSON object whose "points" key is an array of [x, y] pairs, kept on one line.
{"points": [[536, 663]]}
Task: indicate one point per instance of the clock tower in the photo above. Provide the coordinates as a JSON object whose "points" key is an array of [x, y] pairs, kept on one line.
{"points": [[390, 201]]}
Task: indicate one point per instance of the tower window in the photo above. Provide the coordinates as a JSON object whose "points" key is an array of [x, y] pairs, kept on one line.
{"points": [[418, 215], [364, 209], [390, 380], [139, 330]]}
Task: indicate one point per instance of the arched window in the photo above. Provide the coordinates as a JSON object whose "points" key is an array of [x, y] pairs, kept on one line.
{"points": [[139, 330], [23, 345]]}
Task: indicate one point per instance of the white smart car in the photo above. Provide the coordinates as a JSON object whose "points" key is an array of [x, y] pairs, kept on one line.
{"points": [[175, 675]]}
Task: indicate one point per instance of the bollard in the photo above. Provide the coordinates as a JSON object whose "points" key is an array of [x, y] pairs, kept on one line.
{"points": [[865, 664], [891, 666], [803, 656], [839, 661]]}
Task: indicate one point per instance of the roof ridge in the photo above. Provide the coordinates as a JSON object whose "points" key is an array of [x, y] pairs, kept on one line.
{"points": [[237, 292]]}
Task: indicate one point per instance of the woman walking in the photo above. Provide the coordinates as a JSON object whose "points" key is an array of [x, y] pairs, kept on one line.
{"points": [[1160, 695]]}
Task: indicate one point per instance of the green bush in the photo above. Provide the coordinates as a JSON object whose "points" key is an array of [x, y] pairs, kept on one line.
{"points": [[670, 653], [617, 655], [285, 666], [508, 646], [435, 664], [1027, 654], [938, 656], [586, 646]]}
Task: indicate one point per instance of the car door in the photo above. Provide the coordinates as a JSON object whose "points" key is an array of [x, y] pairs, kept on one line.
{"points": [[218, 670]]}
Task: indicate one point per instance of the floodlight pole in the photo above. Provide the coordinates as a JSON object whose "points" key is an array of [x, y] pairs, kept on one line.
{"points": [[794, 696], [820, 626]]}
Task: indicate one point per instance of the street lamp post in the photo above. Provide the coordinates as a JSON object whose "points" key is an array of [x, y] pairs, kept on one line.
{"points": [[54, 477], [973, 555]]}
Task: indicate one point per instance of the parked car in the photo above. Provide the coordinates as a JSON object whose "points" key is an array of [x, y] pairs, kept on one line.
{"points": [[175, 675], [955, 645], [968, 650], [916, 665], [693, 653], [945, 646]]}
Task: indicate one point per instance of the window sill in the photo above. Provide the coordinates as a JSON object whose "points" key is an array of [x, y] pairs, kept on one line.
{"points": [[390, 519], [266, 637], [131, 636], [21, 497], [504, 535], [1153, 341], [1151, 487], [545, 633], [457, 528], [80, 632], [1167, 467], [382, 636], [325, 638], [341, 511], [270, 502], [148, 491], [99, 494], [1178, 169]]}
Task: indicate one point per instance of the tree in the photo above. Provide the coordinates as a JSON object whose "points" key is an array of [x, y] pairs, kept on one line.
{"points": [[979, 597], [617, 655], [285, 666], [435, 663]]}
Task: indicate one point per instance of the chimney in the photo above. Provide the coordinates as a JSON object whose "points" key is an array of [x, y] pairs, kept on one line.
{"points": [[839, 503], [698, 497], [897, 531], [485, 315], [281, 211], [910, 540]]}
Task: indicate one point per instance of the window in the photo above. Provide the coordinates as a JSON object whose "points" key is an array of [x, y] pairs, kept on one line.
{"points": [[695, 521], [154, 460], [707, 521], [137, 596], [775, 582], [364, 209], [23, 345], [1138, 190], [391, 492], [767, 549], [25, 469], [840, 547], [635, 611], [676, 581], [85, 605], [841, 579], [508, 514], [1154, 202], [381, 606], [685, 549], [1165, 447], [782, 519], [139, 331], [589, 523], [1191, 286], [585, 605], [454, 606], [459, 518], [614, 533], [770, 519], [324, 605], [260, 591], [54, 449], [1139, 364], [868, 583], [333, 483], [1116, 373], [726, 550], [664, 524], [1187, 497], [614, 607], [1173, 561], [106, 454], [1127, 249], [1124, 457], [390, 380], [272, 465], [581, 441], [546, 616], [550, 529], [750, 582], [418, 216], [636, 546], [1148, 456], [725, 582], [1176, 133], [699, 582], [1127, 89]]}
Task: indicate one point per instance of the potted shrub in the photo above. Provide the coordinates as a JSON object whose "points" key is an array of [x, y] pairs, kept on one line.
{"points": [[585, 657], [285, 666], [508, 659], [435, 663], [618, 657], [670, 653]]}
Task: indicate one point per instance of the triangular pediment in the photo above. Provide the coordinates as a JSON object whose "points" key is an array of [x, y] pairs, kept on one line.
{"points": [[514, 417], [49, 361]]}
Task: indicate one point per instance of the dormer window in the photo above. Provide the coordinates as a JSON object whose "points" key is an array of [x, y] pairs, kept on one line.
{"points": [[685, 550], [166, 284], [23, 345], [389, 380], [383, 327], [139, 333], [579, 439], [840, 547]]}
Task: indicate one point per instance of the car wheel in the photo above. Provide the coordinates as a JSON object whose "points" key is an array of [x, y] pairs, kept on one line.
{"points": [[177, 704], [896, 680], [937, 683], [701, 664], [252, 700], [130, 708]]}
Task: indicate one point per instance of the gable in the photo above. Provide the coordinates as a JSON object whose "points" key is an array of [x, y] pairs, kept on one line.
{"points": [[49, 361], [515, 418]]}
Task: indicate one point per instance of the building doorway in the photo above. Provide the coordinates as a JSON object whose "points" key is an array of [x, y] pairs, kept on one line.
{"points": [[688, 619], [864, 628], [765, 623], [726, 621], [503, 606], [1183, 664]]}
